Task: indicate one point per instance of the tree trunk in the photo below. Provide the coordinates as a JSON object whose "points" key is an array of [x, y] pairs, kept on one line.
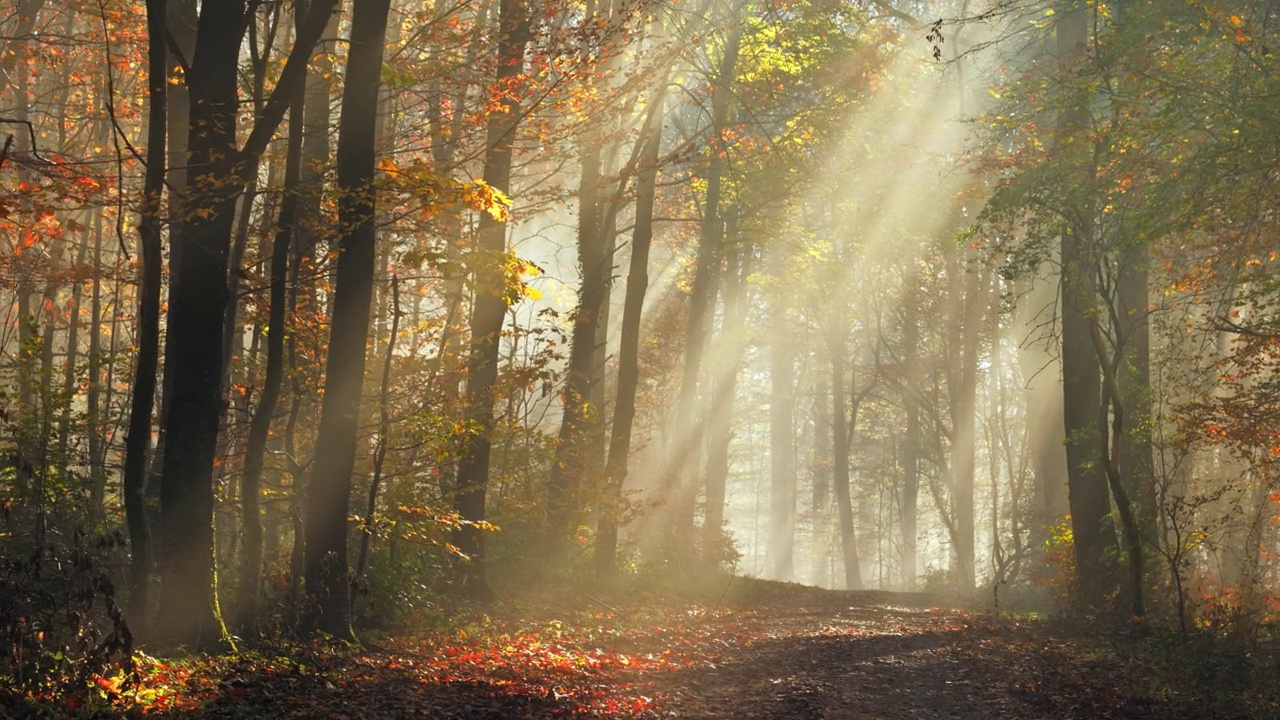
{"points": [[194, 341], [574, 460], [488, 309], [181, 16], [197, 307], [384, 430], [688, 434], [138, 439], [246, 616], [910, 499], [624, 408], [730, 346], [782, 478], [1134, 379], [329, 495], [1090, 506], [93, 398], [69, 363], [841, 480]]}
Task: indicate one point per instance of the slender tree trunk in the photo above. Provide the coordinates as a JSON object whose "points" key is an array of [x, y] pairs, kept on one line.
{"points": [[1082, 392], [138, 439], [489, 308], [384, 431], [197, 306], [93, 398], [1109, 445], [573, 460], [782, 479], [689, 434], [629, 350], [1134, 379], [910, 500], [720, 433], [841, 480], [246, 616], [329, 495], [181, 16], [69, 363], [28, 10]]}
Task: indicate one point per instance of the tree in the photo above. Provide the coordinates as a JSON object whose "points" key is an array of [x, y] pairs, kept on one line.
{"points": [[197, 305], [326, 576], [138, 441], [490, 304]]}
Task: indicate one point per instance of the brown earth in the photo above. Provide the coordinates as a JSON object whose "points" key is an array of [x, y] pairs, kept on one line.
{"points": [[760, 650]]}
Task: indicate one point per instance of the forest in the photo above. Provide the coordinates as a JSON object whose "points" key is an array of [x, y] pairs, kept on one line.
{"points": [[640, 358]]}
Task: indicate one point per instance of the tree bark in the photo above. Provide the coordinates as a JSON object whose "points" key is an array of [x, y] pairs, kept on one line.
{"points": [[1134, 380], [384, 430], [1082, 390], [574, 460], [246, 616], [328, 500], [488, 309], [197, 306], [181, 20], [624, 408], [138, 438]]}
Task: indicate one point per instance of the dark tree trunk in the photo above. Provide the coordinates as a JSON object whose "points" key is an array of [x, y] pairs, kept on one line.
{"points": [[194, 342], [69, 362], [1090, 505], [246, 616], [197, 307], [181, 20], [624, 408], [1082, 404], [384, 430], [138, 437], [488, 310], [1134, 379], [27, 12], [330, 491], [574, 460], [93, 398], [1109, 456]]}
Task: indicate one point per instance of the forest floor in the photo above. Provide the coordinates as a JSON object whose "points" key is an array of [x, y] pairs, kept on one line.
{"points": [[757, 650]]}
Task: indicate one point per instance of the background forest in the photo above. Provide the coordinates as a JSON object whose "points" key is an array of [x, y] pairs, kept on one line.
{"points": [[323, 315]]}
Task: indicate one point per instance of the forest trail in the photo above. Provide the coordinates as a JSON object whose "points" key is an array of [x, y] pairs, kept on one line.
{"points": [[877, 655], [761, 651]]}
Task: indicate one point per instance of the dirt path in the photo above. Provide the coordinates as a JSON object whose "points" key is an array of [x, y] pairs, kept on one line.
{"points": [[854, 659], [778, 653]]}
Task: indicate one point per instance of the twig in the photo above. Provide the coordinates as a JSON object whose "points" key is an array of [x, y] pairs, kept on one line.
{"points": [[602, 603]]}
